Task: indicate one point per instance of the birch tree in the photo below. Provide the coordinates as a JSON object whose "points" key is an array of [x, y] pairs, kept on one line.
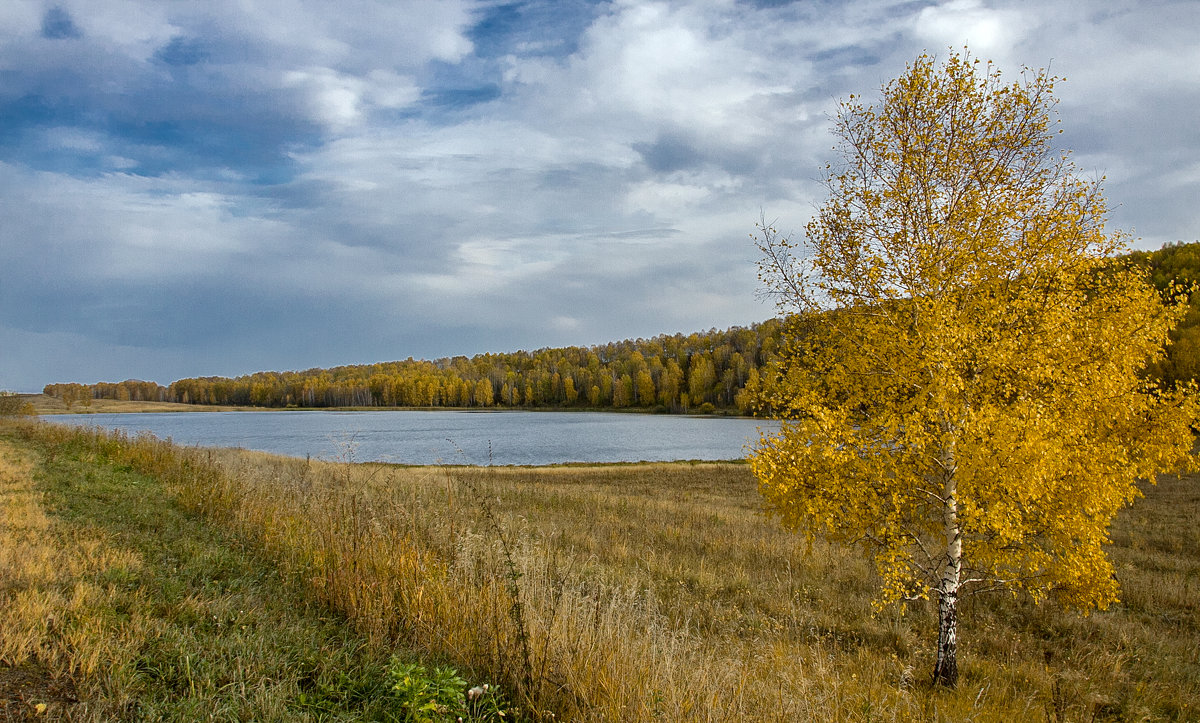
{"points": [[960, 386]]}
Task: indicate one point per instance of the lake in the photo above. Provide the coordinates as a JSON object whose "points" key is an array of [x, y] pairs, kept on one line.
{"points": [[450, 437]]}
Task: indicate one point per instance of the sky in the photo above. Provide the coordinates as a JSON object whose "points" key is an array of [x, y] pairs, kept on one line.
{"points": [[223, 187]]}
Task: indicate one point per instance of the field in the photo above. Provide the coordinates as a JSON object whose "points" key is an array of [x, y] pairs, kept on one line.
{"points": [[263, 588], [43, 404]]}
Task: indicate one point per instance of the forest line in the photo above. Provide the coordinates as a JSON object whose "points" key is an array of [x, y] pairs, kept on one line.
{"points": [[717, 370]]}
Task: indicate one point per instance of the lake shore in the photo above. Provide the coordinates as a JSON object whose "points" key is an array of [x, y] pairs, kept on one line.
{"points": [[46, 405]]}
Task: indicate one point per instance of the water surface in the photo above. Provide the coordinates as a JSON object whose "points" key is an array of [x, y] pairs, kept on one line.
{"points": [[450, 437]]}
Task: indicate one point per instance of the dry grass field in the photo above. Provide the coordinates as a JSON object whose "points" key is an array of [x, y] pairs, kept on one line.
{"points": [[620, 592], [43, 404]]}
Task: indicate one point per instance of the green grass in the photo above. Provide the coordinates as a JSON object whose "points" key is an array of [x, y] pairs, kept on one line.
{"points": [[620, 593]]}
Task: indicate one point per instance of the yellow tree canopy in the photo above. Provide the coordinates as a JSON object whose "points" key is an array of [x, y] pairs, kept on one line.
{"points": [[961, 386]]}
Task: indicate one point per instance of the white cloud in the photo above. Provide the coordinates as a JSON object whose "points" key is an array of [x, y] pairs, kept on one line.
{"points": [[669, 199], [333, 98], [684, 66], [353, 35], [388, 89], [987, 31], [341, 101]]}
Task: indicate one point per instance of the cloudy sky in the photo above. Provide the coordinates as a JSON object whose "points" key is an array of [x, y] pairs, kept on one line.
{"points": [[220, 187]]}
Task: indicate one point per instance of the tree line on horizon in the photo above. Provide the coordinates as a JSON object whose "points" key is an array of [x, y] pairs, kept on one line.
{"points": [[700, 372], [716, 370]]}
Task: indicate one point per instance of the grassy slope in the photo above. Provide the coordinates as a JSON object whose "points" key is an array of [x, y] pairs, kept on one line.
{"points": [[631, 592], [120, 604]]}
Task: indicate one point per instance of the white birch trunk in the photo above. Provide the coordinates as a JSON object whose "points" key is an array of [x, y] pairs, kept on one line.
{"points": [[945, 671]]}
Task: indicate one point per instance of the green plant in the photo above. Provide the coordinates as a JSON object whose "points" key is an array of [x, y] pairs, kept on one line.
{"points": [[428, 694], [432, 695]]}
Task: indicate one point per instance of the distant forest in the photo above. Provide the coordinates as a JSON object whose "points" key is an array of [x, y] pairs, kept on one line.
{"points": [[703, 372], [713, 371]]}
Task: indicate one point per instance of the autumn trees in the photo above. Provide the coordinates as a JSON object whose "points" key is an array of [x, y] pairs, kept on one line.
{"points": [[960, 381], [1169, 267], [134, 390], [675, 373]]}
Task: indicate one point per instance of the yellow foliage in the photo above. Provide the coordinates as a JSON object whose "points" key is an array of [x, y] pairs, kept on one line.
{"points": [[961, 387]]}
